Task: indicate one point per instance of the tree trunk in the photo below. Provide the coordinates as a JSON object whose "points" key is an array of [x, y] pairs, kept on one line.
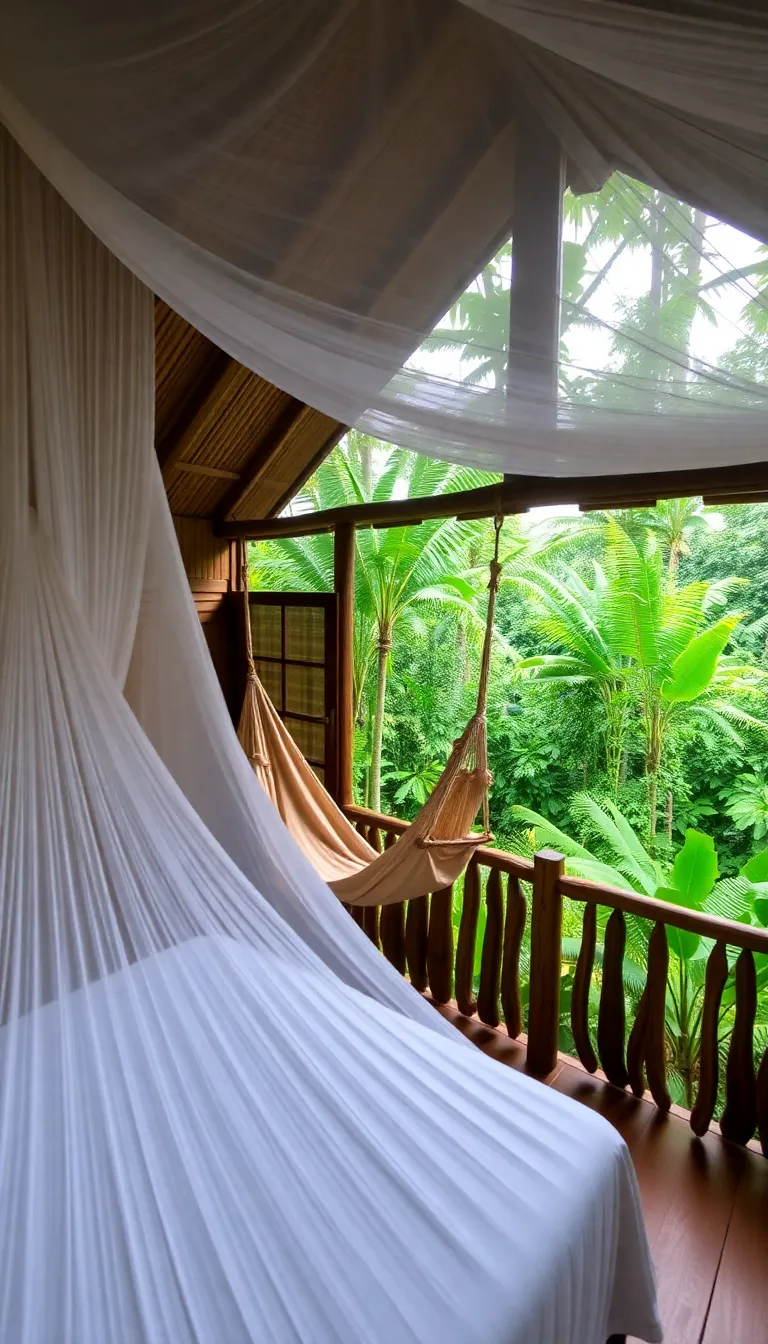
{"points": [[693, 263], [366, 470], [655, 300], [461, 652], [669, 816], [616, 723], [653, 751], [653, 785], [383, 651]]}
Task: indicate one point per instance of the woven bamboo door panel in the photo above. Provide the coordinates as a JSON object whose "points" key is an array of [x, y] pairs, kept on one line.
{"points": [[294, 649]]}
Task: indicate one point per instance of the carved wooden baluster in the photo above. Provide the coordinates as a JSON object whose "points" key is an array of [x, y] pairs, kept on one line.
{"points": [[465, 949], [371, 924], [546, 962], [709, 1058], [488, 1008], [392, 925], [762, 1103], [610, 1018], [392, 930], [440, 945], [371, 917], [514, 928], [739, 1118], [356, 911], [416, 924], [581, 984], [655, 1023], [636, 1046]]}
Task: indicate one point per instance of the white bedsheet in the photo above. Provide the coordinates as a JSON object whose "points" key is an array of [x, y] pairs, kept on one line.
{"points": [[507, 1213]]}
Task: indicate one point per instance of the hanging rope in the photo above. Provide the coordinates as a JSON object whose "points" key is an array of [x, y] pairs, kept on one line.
{"points": [[493, 588], [250, 728], [247, 616]]}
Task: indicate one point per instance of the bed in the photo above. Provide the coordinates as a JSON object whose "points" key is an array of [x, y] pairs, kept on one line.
{"points": [[232, 1149]]}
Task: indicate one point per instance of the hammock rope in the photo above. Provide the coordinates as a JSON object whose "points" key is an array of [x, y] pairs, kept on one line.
{"points": [[438, 844]]}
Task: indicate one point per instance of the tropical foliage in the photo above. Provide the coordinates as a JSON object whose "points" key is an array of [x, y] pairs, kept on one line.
{"points": [[633, 636], [628, 702], [616, 855]]}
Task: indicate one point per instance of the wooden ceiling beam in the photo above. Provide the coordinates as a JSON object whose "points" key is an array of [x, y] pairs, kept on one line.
{"points": [[743, 482], [223, 374], [265, 449], [308, 470], [200, 469]]}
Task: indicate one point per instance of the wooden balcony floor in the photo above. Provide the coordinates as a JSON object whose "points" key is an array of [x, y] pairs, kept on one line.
{"points": [[705, 1203]]}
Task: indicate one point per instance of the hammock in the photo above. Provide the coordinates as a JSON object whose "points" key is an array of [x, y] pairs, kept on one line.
{"points": [[437, 845]]}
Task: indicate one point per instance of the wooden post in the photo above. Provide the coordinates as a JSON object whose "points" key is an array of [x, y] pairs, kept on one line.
{"points": [[534, 297], [344, 583], [236, 667], [546, 961]]}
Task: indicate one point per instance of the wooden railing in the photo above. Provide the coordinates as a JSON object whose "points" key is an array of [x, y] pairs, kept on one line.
{"points": [[418, 938]]}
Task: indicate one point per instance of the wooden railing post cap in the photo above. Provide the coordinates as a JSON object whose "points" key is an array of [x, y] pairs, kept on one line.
{"points": [[550, 856]]}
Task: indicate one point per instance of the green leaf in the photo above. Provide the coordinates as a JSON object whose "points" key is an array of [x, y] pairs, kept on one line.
{"points": [[683, 944], [694, 874], [615, 831], [757, 867], [693, 669], [731, 899], [598, 872], [695, 871]]}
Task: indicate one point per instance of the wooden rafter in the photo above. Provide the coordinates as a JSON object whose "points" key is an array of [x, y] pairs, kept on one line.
{"points": [[224, 373], [311, 467], [200, 469], [265, 449]]}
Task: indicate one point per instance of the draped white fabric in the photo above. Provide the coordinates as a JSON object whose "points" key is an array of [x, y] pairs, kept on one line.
{"points": [[312, 183], [223, 1117]]}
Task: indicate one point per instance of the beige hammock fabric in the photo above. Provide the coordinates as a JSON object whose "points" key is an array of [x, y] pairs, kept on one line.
{"points": [[437, 846]]}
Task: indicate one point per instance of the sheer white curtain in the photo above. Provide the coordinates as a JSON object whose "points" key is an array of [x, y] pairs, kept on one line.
{"points": [[708, 63], [223, 1116], [311, 183]]}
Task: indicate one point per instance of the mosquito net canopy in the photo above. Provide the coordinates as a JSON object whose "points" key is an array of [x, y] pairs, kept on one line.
{"points": [[313, 184], [223, 1116]]}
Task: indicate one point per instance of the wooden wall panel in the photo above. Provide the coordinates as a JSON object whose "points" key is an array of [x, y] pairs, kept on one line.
{"points": [[210, 564], [220, 635], [205, 556]]}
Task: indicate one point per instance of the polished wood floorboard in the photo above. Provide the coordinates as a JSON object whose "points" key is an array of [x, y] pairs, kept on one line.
{"points": [[705, 1203]]}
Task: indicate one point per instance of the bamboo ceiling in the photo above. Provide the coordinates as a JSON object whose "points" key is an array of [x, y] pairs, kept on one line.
{"points": [[229, 443]]}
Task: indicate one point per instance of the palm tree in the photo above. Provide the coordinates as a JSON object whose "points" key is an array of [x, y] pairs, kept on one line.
{"points": [[398, 569], [679, 668], [645, 647], [651, 333], [404, 567], [478, 324], [673, 521], [747, 361], [577, 619]]}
